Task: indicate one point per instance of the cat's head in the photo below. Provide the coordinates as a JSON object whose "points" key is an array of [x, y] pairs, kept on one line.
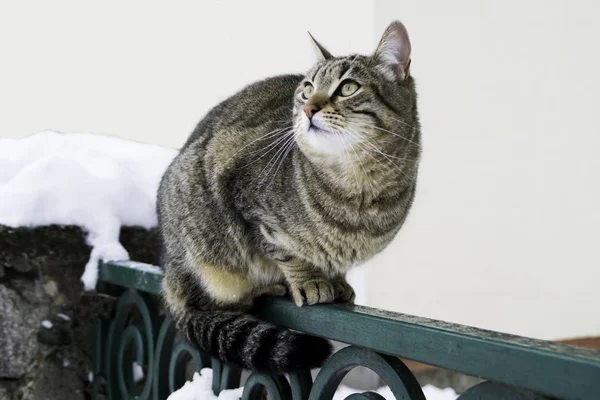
{"points": [[358, 104]]}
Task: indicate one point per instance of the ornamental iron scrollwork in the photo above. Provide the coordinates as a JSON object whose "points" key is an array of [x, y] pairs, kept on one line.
{"points": [[135, 322], [135, 334], [396, 375]]}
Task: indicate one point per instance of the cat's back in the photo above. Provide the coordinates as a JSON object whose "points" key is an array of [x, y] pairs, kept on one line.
{"points": [[217, 139], [263, 102]]}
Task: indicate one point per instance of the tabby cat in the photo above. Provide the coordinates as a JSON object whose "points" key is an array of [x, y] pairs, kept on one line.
{"points": [[280, 190]]}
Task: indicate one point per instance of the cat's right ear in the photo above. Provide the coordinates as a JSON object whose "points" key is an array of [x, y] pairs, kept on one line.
{"points": [[322, 52]]}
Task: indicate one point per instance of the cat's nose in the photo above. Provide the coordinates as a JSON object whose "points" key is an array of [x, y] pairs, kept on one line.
{"points": [[311, 110]]}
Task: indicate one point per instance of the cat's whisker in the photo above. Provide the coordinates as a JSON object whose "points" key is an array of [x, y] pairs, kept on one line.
{"points": [[269, 148], [279, 156], [275, 157], [352, 62], [362, 140], [401, 170], [348, 159], [402, 122], [290, 146], [263, 137], [366, 175], [392, 133], [275, 142], [373, 146]]}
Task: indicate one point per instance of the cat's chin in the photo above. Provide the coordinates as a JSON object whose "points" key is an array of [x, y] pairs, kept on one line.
{"points": [[319, 131], [322, 141]]}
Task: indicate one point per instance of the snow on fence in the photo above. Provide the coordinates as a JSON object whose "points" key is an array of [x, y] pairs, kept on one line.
{"points": [[514, 367]]}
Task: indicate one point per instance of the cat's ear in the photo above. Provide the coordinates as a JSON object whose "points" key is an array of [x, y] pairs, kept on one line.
{"points": [[393, 52], [322, 52]]}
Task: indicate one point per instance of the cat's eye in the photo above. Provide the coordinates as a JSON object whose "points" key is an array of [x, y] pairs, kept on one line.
{"points": [[348, 88], [308, 91]]}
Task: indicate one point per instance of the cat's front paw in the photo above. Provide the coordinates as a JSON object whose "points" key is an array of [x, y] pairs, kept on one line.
{"points": [[343, 291], [313, 292]]}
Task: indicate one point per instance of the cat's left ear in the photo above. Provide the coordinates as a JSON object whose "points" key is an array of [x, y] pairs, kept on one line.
{"points": [[393, 52], [323, 53]]}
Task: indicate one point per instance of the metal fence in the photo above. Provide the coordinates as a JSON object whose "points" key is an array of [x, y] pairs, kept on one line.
{"points": [[514, 367]]}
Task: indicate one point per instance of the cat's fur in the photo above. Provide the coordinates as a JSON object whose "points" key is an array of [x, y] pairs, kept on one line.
{"points": [[258, 201]]}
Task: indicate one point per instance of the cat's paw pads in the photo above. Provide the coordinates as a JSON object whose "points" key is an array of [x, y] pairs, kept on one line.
{"points": [[344, 292], [313, 292]]}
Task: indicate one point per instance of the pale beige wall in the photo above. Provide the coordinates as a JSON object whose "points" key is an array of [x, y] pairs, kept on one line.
{"points": [[505, 229], [149, 70], [505, 223]]}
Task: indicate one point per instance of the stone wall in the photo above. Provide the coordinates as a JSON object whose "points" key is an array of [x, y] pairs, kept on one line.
{"points": [[39, 282]]}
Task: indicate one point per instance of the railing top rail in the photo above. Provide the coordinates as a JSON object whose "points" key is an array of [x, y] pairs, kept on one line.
{"points": [[553, 369], [132, 274]]}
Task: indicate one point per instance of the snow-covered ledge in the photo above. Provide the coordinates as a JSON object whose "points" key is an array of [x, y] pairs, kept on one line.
{"points": [[65, 204], [84, 180]]}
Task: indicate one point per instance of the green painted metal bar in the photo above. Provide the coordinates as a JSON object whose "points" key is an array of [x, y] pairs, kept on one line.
{"points": [[556, 370], [549, 368], [131, 274]]}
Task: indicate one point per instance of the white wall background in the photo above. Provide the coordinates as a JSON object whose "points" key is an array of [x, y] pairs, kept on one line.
{"points": [[504, 229], [149, 70]]}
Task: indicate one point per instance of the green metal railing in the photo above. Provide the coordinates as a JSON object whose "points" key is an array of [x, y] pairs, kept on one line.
{"points": [[514, 367]]}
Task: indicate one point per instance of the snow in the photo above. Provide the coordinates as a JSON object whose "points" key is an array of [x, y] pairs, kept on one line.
{"points": [[430, 392], [99, 183], [147, 268], [63, 317], [47, 324], [433, 393], [138, 372], [200, 388]]}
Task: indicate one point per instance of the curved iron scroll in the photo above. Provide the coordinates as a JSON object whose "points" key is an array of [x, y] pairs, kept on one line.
{"points": [[396, 375], [277, 386], [124, 330]]}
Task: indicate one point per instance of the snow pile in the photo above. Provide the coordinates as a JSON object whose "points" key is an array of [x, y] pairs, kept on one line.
{"points": [[433, 393], [200, 388], [430, 392], [96, 182]]}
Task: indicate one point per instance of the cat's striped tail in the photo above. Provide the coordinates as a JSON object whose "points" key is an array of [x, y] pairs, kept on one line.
{"points": [[241, 339]]}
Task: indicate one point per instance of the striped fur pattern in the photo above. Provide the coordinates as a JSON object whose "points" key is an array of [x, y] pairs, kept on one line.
{"points": [[282, 188]]}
